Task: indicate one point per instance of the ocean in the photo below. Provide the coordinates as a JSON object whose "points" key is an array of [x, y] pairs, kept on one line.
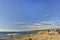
{"points": [[14, 34]]}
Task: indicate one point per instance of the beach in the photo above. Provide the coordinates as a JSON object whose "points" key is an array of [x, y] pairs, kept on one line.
{"points": [[43, 36]]}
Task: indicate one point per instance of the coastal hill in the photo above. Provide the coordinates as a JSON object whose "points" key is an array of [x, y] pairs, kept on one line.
{"points": [[48, 29]]}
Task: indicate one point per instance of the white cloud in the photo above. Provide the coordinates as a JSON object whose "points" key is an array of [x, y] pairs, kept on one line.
{"points": [[43, 25], [34, 26], [39, 25]]}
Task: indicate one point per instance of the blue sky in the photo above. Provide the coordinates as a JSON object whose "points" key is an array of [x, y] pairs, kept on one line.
{"points": [[23, 14]]}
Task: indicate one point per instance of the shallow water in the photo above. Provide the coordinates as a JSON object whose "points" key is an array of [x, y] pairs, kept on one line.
{"points": [[14, 34]]}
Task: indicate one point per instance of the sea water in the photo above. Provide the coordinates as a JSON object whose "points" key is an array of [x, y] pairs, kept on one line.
{"points": [[8, 34]]}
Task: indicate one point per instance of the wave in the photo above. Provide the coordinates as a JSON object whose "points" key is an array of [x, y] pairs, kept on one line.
{"points": [[14, 34]]}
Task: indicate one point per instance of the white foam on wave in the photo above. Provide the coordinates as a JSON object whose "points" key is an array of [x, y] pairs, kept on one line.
{"points": [[12, 34]]}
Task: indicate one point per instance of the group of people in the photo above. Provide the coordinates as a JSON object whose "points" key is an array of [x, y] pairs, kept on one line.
{"points": [[52, 32]]}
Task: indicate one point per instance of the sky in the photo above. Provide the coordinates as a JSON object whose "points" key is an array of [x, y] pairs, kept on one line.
{"points": [[29, 14]]}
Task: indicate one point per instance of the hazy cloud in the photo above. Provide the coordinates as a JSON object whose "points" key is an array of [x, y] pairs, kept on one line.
{"points": [[19, 22], [40, 25]]}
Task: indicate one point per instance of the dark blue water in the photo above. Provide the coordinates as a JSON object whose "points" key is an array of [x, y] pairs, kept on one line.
{"points": [[8, 34]]}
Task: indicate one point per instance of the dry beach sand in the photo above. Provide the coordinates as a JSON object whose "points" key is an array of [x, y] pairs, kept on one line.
{"points": [[43, 36]]}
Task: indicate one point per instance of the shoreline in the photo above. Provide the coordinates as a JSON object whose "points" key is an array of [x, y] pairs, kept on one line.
{"points": [[43, 36], [20, 36], [15, 34]]}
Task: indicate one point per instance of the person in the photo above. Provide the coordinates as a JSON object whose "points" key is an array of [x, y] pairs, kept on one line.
{"points": [[58, 31], [51, 32]]}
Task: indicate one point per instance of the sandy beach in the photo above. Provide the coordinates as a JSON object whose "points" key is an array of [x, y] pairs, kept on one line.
{"points": [[43, 36]]}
